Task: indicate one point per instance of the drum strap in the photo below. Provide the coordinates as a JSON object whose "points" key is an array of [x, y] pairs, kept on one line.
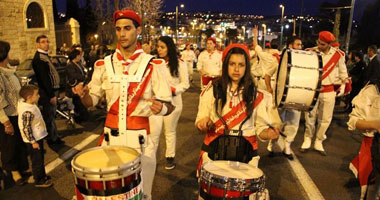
{"points": [[329, 66], [109, 192]]}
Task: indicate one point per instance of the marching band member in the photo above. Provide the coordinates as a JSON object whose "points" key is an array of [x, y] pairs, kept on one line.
{"points": [[334, 68], [291, 117], [233, 112], [176, 74], [135, 88], [189, 57], [209, 62], [365, 117]]}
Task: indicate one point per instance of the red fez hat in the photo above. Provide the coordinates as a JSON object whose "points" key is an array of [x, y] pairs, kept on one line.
{"points": [[231, 46], [126, 14], [212, 39], [335, 44], [326, 36]]}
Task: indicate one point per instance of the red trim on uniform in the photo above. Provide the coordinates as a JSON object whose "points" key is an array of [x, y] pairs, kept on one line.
{"points": [[363, 161], [157, 61], [100, 140], [330, 65], [327, 88], [206, 80], [277, 56], [173, 90], [99, 63]]}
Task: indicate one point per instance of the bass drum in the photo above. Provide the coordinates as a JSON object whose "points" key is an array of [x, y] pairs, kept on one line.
{"points": [[299, 78]]}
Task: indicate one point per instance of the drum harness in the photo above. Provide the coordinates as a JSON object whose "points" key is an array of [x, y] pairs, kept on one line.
{"points": [[231, 145]]}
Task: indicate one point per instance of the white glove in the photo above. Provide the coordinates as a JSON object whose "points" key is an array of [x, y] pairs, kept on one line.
{"points": [[254, 161], [341, 90], [205, 158]]}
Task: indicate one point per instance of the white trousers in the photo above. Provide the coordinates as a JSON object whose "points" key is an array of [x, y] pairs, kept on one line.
{"points": [[291, 120], [190, 70], [170, 123], [323, 111]]}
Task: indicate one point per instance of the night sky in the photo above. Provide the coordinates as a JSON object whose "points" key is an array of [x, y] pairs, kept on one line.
{"points": [[255, 7]]}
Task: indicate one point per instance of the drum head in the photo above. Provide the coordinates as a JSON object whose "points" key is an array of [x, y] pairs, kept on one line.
{"points": [[232, 169], [105, 157], [282, 73]]}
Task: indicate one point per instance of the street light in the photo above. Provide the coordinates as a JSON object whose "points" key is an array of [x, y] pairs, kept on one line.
{"points": [[176, 22], [282, 23]]}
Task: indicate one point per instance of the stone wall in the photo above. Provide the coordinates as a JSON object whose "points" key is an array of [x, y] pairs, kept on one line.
{"points": [[13, 27]]}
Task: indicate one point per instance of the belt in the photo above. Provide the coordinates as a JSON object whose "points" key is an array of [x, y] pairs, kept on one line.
{"points": [[133, 123], [327, 88]]}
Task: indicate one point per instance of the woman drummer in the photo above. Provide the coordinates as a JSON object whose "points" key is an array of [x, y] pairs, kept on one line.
{"points": [[233, 112]]}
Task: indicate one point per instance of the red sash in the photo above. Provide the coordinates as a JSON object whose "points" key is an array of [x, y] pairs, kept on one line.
{"points": [[277, 56], [232, 118], [135, 92], [329, 66]]}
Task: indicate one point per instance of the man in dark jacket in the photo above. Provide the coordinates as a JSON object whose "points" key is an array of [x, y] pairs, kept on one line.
{"points": [[48, 83], [372, 72]]}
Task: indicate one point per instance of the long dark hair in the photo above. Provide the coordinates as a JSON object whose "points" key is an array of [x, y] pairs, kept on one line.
{"points": [[172, 54], [249, 89]]}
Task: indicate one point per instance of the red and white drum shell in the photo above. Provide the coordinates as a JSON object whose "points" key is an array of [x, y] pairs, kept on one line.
{"points": [[299, 78], [111, 172], [229, 180]]}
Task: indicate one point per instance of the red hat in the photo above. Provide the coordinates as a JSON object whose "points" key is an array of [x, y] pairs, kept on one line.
{"points": [[126, 14], [335, 44], [212, 39], [231, 46], [326, 36]]}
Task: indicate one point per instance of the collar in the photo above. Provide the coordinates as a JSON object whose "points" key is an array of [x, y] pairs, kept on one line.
{"points": [[8, 70], [42, 51], [371, 58]]}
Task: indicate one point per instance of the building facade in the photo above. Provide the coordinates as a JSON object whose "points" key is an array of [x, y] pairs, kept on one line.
{"points": [[21, 21]]}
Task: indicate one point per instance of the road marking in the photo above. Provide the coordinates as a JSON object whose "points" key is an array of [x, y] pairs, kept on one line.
{"points": [[68, 154], [303, 177]]}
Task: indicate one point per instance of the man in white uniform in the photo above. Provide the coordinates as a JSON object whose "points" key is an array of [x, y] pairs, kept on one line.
{"points": [[189, 57], [209, 63], [134, 89], [291, 117], [334, 68]]}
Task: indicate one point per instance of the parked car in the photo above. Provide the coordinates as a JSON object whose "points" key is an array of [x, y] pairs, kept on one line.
{"points": [[26, 73]]}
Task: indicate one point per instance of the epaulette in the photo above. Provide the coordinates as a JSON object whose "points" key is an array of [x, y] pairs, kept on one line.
{"points": [[157, 61], [208, 86], [99, 63]]}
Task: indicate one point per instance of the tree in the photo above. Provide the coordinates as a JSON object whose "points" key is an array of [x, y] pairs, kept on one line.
{"points": [[369, 29]]}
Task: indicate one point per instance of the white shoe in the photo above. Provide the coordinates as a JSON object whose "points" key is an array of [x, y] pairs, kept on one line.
{"points": [[287, 149], [270, 146], [306, 144], [319, 146]]}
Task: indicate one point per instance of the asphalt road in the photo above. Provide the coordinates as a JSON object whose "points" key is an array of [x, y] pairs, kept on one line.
{"points": [[329, 174]]}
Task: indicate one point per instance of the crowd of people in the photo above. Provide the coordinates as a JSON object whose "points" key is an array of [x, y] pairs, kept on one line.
{"points": [[144, 93]]}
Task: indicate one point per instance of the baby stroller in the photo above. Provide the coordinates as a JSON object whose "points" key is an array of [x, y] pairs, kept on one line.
{"points": [[65, 108]]}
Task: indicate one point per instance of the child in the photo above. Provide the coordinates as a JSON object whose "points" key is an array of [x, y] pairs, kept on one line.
{"points": [[33, 130]]}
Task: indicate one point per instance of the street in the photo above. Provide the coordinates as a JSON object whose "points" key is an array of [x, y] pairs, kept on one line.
{"points": [[309, 176]]}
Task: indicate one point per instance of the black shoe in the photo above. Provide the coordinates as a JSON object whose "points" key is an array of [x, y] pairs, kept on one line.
{"points": [[303, 150], [44, 183], [170, 164], [288, 156], [57, 141], [20, 182]]}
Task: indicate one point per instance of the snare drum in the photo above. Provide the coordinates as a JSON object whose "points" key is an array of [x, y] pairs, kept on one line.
{"points": [[111, 172], [229, 179], [299, 78]]}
